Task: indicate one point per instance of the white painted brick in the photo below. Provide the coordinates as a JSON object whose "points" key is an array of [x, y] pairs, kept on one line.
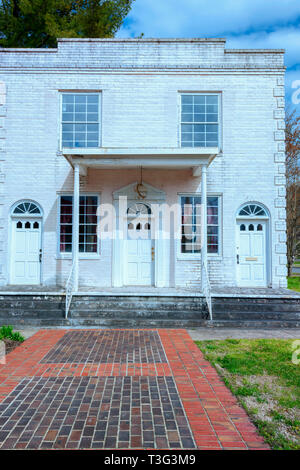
{"points": [[280, 248], [281, 146], [280, 225], [279, 114], [280, 180], [280, 202], [279, 157], [281, 270], [279, 91], [280, 102], [282, 260], [279, 135], [283, 281], [281, 191], [141, 110], [281, 169], [282, 237]]}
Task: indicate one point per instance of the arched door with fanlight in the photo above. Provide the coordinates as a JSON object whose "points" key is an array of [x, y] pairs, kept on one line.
{"points": [[252, 236], [26, 248], [139, 252]]}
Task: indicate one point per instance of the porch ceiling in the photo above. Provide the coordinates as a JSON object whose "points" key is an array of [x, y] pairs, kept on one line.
{"points": [[156, 158]]}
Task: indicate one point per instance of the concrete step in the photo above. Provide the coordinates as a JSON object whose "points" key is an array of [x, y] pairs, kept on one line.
{"points": [[255, 324], [105, 322], [138, 313], [171, 303], [249, 306], [259, 315], [149, 323]]}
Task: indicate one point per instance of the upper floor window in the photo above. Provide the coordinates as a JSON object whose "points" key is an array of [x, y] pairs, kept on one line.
{"points": [[199, 120], [80, 120]]}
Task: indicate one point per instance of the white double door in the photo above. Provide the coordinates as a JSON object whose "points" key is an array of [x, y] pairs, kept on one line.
{"points": [[139, 253], [26, 251], [251, 253]]}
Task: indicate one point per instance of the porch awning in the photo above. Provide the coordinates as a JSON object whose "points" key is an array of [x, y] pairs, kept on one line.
{"points": [[156, 158]]}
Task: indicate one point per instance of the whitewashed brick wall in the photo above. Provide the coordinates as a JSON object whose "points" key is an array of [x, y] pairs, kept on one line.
{"points": [[140, 82]]}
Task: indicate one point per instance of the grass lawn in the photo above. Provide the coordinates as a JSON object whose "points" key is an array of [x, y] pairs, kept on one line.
{"points": [[261, 374], [294, 283], [10, 338]]}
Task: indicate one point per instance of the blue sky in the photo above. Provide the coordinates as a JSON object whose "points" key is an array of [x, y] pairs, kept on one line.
{"points": [[244, 23]]}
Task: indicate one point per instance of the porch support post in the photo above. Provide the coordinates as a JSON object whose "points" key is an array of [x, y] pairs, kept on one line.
{"points": [[204, 218], [75, 238]]}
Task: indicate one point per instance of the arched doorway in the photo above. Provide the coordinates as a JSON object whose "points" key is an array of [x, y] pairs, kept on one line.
{"points": [[252, 235], [26, 243], [139, 269]]}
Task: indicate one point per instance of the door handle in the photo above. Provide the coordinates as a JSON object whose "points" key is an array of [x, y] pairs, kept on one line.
{"points": [[152, 253], [40, 256], [238, 259]]}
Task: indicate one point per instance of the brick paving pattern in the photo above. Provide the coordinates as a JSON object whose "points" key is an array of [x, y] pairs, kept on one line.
{"points": [[89, 412], [83, 389], [108, 346]]}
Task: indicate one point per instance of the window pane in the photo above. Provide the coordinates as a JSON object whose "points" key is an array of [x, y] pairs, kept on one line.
{"points": [[67, 127], [191, 224], [67, 116], [92, 144], [80, 99], [80, 108], [211, 99], [68, 98], [200, 109], [187, 128], [187, 99], [87, 224], [78, 111], [187, 117], [92, 99]]}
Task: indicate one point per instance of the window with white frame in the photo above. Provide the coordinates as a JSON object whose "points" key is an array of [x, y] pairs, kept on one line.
{"points": [[88, 240], [199, 120], [80, 120], [191, 224]]}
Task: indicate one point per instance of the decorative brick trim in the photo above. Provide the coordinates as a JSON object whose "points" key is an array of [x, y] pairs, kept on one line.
{"points": [[279, 114], [279, 157], [279, 135], [280, 103]]}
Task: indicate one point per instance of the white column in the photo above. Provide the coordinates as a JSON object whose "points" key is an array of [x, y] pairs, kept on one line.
{"points": [[204, 216], [75, 238]]}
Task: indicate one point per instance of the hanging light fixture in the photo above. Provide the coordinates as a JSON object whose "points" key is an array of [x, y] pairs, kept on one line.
{"points": [[140, 189]]}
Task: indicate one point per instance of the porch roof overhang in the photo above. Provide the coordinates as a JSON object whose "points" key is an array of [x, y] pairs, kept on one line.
{"points": [[155, 158]]}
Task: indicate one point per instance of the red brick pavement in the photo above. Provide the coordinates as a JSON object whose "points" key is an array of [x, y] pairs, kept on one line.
{"points": [[214, 416]]}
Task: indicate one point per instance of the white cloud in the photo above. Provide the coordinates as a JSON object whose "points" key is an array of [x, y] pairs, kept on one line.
{"points": [[200, 18], [267, 24], [285, 38]]}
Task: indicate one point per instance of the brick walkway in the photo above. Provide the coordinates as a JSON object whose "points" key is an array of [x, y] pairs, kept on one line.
{"points": [[81, 389]]}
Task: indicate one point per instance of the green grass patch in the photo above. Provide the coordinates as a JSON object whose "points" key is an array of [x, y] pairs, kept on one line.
{"points": [[6, 332], [266, 382], [294, 283]]}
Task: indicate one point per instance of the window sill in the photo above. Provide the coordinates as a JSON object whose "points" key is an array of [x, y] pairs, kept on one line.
{"points": [[69, 257], [198, 257]]}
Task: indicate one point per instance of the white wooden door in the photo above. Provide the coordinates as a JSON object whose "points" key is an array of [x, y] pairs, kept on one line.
{"points": [[139, 253], [251, 253], [26, 246]]}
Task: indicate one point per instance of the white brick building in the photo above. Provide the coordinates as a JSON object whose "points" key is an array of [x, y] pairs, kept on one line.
{"points": [[183, 118]]}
